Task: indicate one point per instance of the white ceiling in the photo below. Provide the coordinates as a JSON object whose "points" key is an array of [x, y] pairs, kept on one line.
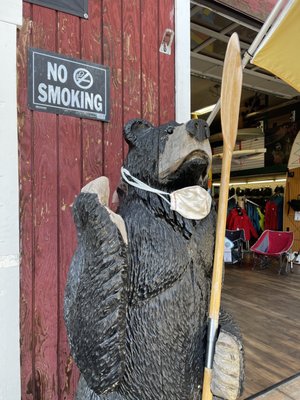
{"points": [[210, 32]]}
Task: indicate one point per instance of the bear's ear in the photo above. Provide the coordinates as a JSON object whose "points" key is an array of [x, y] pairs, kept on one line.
{"points": [[132, 129]]}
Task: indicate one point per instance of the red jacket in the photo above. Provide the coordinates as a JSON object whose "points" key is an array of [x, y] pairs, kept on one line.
{"points": [[236, 221]]}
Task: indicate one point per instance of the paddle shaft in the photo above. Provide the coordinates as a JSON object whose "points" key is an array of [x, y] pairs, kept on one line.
{"points": [[220, 237], [215, 299]]}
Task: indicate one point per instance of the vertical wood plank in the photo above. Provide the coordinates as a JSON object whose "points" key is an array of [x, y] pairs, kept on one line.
{"points": [[112, 56], [132, 97], [26, 213], [92, 131], [69, 184], [45, 226], [149, 56], [166, 65]]}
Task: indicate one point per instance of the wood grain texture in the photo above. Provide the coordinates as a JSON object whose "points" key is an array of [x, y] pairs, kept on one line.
{"points": [[132, 97], [44, 143], [112, 55], [92, 131], [150, 60], [69, 183], [286, 391], [292, 190], [26, 211], [69, 165], [59, 154], [266, 306], [166, 64]]}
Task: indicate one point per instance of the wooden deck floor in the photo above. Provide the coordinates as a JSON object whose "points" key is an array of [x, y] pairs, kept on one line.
{"points": [[267, 308], [289, 390]]}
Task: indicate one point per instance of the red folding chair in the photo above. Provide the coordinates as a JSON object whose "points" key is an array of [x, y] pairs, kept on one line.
{"points": [[273, 244]]}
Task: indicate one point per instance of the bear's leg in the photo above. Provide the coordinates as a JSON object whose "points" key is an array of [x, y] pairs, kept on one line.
{"points": [[85, 393], [228, 365]]}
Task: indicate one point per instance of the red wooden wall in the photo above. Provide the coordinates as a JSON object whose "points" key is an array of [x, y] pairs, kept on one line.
{"points": [[59, 154]]}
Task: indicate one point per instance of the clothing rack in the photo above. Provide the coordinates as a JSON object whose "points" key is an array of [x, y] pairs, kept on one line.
{"points": [[232, 197], [252, 202]]}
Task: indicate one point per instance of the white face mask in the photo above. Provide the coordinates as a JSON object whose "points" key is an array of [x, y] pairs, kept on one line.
{"points": [[192, 202]]}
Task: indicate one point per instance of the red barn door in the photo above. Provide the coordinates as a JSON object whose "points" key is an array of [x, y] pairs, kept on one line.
{"points": [[59, 154]]}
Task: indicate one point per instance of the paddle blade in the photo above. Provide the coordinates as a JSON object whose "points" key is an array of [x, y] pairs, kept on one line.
{"points": [[231, 92]]}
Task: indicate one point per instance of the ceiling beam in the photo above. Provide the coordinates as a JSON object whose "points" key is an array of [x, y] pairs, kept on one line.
{"points": [[216, 35], [215, 61], [229, 13], [273, 108], [210, 68], [209, 41]]}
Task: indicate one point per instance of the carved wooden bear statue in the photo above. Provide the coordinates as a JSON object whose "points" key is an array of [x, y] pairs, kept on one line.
{"points": [[136, 301]]}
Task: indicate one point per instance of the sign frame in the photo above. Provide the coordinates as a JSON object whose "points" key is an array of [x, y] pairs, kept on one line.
{"points": [[60, 84], [78, 8]]}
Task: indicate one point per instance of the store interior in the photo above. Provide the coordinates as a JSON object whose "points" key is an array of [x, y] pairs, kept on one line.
{"points": [[262, 296]]}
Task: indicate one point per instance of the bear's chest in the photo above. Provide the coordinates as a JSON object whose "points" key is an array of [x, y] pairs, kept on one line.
{"points": [[161, 254]]}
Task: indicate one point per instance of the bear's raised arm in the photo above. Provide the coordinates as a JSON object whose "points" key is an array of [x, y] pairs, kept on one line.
{"points": [[96, 295]]}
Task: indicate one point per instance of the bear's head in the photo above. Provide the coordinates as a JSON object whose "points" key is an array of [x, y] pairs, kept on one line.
{"points": [[171, 156]]}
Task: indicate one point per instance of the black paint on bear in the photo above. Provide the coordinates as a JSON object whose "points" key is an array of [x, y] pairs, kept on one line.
{"points": [[136, 316]]}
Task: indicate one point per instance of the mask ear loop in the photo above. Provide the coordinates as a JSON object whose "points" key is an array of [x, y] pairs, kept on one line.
{"points": [[141, 185]]}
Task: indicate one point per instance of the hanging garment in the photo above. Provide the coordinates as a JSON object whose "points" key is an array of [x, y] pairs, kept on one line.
{"points": [[238, 219], [231, 205], [261, 219], [253, 214], [271, 216], [278, 199]]}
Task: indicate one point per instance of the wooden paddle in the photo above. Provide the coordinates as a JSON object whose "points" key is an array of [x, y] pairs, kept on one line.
{"points": [[230, 104]]}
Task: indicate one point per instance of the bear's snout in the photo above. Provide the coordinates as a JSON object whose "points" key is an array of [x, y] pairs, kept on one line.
{"points": [[198, 129]]}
